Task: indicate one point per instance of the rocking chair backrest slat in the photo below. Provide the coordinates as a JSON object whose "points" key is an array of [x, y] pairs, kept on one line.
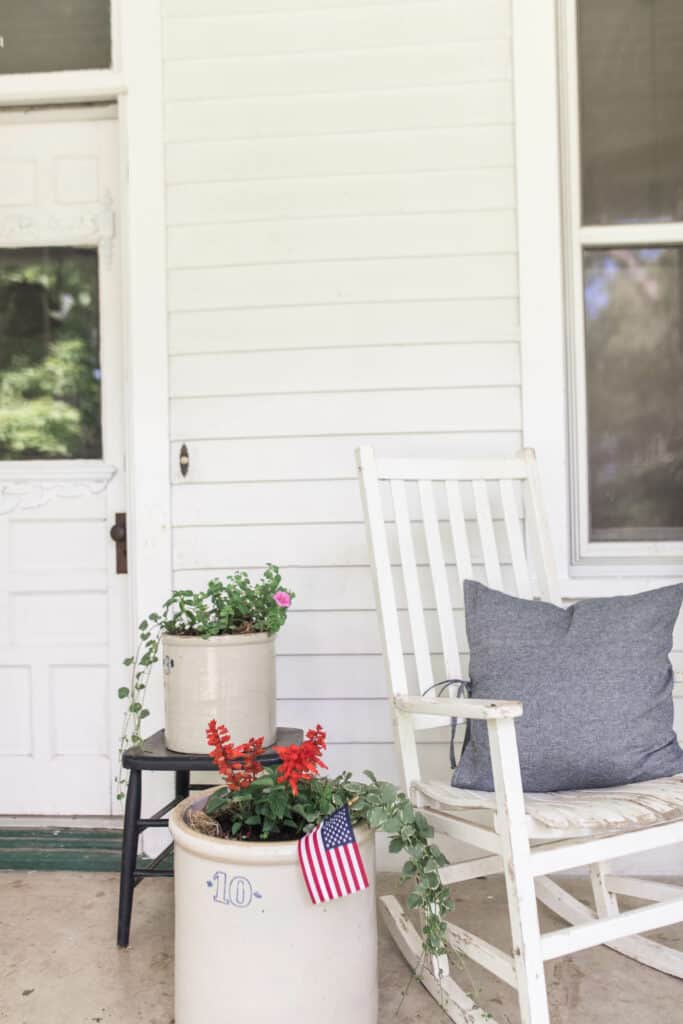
{"points": [[538, 532], [437, 564], [416, 616], [461, 544], [513, 528], [385, 596], [488, 537]]}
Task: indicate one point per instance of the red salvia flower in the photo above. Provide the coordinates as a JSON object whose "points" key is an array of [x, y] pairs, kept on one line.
{"points": [[302, 761], [239, 765]]}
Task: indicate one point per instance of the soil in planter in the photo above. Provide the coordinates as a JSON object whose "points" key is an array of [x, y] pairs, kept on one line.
{"points": [[221, 827]]}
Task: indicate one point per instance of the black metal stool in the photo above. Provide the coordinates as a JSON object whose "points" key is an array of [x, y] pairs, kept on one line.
{"points": [[152, 755]]}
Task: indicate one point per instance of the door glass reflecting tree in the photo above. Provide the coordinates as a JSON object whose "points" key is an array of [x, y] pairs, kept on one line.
{"points": [[49, 354]]}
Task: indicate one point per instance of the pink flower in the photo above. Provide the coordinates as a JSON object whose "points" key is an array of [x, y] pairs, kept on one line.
{"points": [[282, 598]]}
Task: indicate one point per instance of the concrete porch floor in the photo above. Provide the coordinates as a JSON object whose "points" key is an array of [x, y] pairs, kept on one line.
{"points": [[59, 963]]}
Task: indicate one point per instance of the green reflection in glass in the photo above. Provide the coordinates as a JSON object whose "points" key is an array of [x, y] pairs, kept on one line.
{"points": [[49, 354]]}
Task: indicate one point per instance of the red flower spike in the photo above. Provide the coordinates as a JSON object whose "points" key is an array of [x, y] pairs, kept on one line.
{"points": [[301, 762], [238, 765]]}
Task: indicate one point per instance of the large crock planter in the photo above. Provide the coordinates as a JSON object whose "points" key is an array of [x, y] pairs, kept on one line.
{"points": [[251, 947], [229, 678]]}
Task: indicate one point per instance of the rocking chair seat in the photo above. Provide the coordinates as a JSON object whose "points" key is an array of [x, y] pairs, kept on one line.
{"points": [[576, 812]]}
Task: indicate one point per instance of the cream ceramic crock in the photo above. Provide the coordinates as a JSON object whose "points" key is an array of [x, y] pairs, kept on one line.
{"points": [[251, 948], [229, 678]]}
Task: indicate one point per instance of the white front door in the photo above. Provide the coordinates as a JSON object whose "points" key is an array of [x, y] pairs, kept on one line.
{"points": [[62, 602]]}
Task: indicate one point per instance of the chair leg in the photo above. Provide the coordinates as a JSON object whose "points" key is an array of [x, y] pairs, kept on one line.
{"points": [[129, 855], [526, 941], [606, 904], [519, 879]]}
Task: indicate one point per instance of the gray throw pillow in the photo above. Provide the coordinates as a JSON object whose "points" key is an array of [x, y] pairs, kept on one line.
{"points": [[595, 680]]}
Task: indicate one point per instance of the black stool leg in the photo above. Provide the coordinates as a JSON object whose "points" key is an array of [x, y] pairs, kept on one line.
{"points": [[182, 784], [129, 855]]}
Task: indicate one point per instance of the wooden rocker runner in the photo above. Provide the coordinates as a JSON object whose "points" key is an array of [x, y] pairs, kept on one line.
{"points": [[525, 837]]}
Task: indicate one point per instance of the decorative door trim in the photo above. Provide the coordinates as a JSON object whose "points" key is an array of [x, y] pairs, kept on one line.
{"points": [[26, 485]]}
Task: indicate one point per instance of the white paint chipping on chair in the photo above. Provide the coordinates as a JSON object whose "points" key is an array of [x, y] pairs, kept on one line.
{"points": [[527, 836]]}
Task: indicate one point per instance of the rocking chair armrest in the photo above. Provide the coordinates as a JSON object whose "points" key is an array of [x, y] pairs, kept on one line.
{"points": [[459, 707]]}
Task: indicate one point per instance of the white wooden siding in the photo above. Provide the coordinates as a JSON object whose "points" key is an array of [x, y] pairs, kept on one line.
{"points": [[341, 270]]}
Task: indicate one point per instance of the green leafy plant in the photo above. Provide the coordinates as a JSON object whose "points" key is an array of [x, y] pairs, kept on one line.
{"points": [[230, 606], [283, 802]]}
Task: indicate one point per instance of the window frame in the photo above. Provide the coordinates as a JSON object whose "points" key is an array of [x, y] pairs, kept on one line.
{"points": [[578, 237], [551, 305], [91, 85]]}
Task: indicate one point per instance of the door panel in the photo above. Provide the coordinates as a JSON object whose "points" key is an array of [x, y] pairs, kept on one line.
{"points": [[62, 605]]}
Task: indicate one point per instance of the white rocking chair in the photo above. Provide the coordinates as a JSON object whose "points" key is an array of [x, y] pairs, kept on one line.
{"points": [[526, 837]]}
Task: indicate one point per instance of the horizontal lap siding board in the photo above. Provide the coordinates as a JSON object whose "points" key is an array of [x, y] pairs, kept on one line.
{"points": [[442, 64], [408, 192], [342, 369], [380, 412], [341, 271], [347, 325]]}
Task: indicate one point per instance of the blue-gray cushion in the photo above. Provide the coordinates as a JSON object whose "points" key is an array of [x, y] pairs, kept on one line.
{"points": [[595, 680]]}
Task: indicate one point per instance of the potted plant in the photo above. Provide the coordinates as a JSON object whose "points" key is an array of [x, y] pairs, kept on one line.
{"points": [[261, 927], [218, 649]]}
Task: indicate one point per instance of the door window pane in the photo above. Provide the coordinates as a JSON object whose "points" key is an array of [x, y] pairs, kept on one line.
{"points": [[54, 35], [49, 354], [631, 97], [634, 386]]}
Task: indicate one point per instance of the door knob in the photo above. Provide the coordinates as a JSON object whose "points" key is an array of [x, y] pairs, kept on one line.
{"points": [[119, 535]]}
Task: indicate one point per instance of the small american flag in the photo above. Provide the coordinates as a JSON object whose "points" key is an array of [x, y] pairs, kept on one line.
{"points": [[330, 859]]}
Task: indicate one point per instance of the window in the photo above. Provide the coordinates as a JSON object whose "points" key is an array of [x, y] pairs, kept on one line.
{"points": [[623, 154], [49, 354], [54, 35]]}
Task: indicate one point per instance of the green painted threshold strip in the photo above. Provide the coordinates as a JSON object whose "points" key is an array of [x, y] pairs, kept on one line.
{"points": [[65, 849]]}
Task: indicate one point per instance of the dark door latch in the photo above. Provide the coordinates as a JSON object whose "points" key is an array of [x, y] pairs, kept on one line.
{"points": [[119, 535]]}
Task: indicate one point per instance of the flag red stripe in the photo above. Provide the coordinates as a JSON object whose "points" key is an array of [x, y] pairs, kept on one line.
{"points": [[304, 867], [308, 840], [318, 856], [351, 868], [354, 871], [328, 867], [343, 870], [334, 871], [359, 859]]}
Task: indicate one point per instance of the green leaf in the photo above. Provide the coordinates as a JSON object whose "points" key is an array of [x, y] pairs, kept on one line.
{"points": [[218, 800], [376, 817], [123, 691], [145, 713], [396, 845], [414, 900]]}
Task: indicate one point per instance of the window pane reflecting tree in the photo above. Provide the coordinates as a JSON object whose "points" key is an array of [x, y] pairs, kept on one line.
{"points": [[634, 385], [49, 354]]}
